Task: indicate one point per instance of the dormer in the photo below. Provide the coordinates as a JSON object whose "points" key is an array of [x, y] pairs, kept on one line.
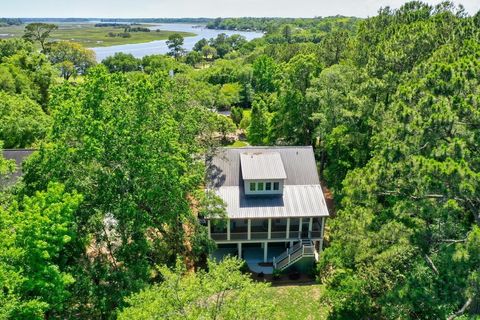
{"points": [[263, 173]]}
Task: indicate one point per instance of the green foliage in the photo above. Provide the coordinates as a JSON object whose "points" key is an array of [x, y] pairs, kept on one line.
{"points": [[175, 43], [265, 72], [131, 139], [229, 95], [71, 58], [27, 73], [35, 234], [193, 58], [258, 128], [237, 115], [221, 293], [22, 121], [6, 166], [9, 47], [122, 62]]}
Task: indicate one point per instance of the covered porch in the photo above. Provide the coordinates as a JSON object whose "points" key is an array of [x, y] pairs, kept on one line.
{"points": [[265, 229]]}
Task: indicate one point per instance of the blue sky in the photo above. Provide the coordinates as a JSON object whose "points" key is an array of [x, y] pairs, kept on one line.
{"points": [[201, 8]]}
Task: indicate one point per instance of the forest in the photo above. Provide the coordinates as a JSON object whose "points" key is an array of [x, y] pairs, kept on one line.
{"points": [[104, 223]]}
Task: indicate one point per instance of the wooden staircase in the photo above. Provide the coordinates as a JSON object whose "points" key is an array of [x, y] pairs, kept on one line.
{"points": [[304, 248]]}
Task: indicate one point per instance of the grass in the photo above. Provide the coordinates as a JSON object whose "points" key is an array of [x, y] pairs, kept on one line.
{"points": [[90, 36], [239, 144], [298, 302]]}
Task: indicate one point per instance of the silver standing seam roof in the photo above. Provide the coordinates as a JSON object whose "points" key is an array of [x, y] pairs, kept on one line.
{"points": [[262, 165], [302, 193]]}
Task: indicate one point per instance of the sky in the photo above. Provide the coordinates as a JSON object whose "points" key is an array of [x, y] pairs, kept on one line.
{"points": [[201, 8]]}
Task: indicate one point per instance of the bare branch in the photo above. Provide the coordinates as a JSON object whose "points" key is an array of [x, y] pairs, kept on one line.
{"points": [[432, 265], [462, 310]]}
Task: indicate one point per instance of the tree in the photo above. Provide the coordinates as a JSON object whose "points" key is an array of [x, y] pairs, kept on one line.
{"points": [[287, 33], [237, 115], [200, 44], [209, 52], [225, 126], [110, 128], [10, 47], [22, 121], [229, 95], [175, 43], [193, 58], [39, 32], [258, 129], [221, 293], [71, 58], [35, 233], [264, 74], [122, 62]]}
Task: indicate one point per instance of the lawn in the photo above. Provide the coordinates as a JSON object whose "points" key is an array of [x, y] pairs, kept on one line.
{"points": [[90, 36], [239, 144], [298, 302]]}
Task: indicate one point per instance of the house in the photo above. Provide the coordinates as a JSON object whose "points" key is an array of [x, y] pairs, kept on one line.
{"points": [[276, 210]]}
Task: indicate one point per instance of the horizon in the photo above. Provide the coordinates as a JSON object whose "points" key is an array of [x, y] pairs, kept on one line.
{"points": [[176, 9]]}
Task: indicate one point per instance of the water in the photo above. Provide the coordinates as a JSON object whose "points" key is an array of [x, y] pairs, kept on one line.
{"points": [[160, 47]]}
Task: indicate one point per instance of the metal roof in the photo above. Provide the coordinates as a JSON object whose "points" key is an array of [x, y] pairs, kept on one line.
{"points": [[19, 155], [297, 201], [302, 192], [259, 165], [298, 162]]}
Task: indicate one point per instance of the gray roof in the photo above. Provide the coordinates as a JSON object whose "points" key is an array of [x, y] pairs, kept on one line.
{"points": [[19, 155], [297, 201], [298, 162], [302, 194], [258, 165]]}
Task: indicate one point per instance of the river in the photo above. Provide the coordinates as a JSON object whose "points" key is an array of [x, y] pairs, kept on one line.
{"points": [[160, 47]]}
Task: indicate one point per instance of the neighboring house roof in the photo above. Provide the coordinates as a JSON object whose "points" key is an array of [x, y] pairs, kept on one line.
{"points": [[262, 165], [19, 155], [302, 193]]}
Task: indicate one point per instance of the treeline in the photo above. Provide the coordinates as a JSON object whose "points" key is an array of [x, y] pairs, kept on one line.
{"points": [[54, 20], [325, 24], [159, 20], [10, 22]]}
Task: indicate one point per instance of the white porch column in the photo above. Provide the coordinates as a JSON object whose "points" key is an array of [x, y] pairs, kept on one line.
{"points": [[269, 228], [310, 225], [321, 234], [300, 228], [228, 229], [239, 247], [288, 228], [209, 229], [265, 252], [249, 229]]}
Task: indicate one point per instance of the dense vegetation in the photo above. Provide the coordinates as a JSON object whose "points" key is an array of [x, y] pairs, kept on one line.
{"points": [[104, 223]]}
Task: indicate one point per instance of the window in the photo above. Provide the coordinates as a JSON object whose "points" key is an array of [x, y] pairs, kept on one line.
{"points": [[268, 186], [252, 186], [276, 186], [260, 186]]}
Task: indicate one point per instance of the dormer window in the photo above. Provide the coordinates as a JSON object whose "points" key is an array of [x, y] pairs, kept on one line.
{"points": [[263, 173]]}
